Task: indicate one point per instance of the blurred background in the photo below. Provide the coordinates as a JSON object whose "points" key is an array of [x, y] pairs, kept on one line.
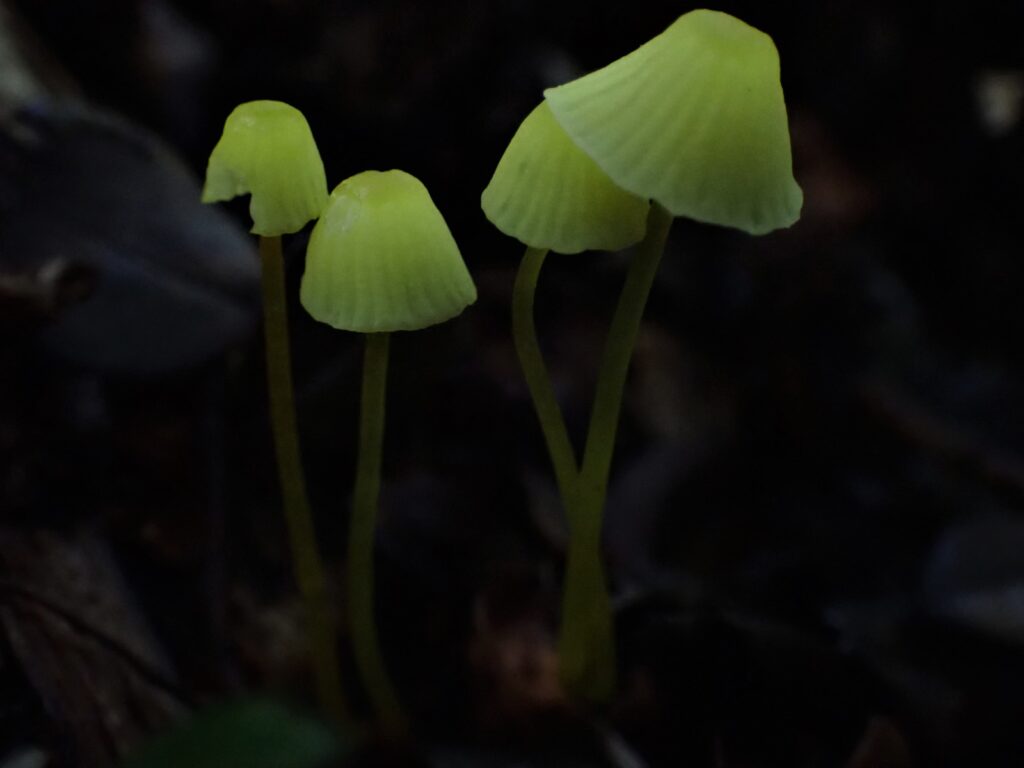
{"points": [[815, 527]]}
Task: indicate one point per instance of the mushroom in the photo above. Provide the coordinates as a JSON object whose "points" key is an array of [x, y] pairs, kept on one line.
{"points": [[695, 120], [267, 151], [548, 194], [380, 259]]}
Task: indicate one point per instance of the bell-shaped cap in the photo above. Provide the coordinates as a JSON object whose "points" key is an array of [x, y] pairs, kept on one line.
{"points": [[267, 150], [694, 119], [547, 193], [381, 258]]}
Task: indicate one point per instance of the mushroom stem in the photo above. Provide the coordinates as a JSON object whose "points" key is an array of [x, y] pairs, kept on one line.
{"points": [[362, 526], [586, 642], [309, 572], [531, 360], [618, 351]]}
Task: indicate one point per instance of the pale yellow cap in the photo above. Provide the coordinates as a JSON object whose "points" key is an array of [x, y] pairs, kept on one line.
{"points": [[381, 258], [267, 150], [694, 119], [547, 193]]}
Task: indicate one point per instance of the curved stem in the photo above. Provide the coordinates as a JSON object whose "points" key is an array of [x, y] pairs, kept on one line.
{"points": [[362, 527], [309, 572], [524, 332], [586, 654], [611, 381], [586, 638]]}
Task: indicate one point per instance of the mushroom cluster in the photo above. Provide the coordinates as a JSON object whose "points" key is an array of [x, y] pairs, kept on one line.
{"points": [[692, 123]]}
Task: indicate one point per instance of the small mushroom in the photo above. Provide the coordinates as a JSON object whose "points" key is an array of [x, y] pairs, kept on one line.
{"points": [[380, 259]]}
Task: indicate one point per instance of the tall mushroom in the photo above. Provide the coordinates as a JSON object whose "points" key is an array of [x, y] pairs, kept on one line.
{"points": [[268, 152], [548, 194], [380, 259]]}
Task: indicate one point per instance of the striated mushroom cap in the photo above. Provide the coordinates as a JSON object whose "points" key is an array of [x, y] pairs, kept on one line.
{"points": [[694, 119], [547, 193], [267, 150], [381, 258]]}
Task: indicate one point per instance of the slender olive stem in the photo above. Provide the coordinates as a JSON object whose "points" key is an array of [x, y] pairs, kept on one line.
{"points": [[362, 527], [309, 571], [586, 643], [586, 639], [524, 331], [611, 381]]}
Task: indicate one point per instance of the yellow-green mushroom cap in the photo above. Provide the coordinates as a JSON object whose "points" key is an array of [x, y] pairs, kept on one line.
{"points": [[547, 193], [694, 119], [381, 258], [267, 150]]}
